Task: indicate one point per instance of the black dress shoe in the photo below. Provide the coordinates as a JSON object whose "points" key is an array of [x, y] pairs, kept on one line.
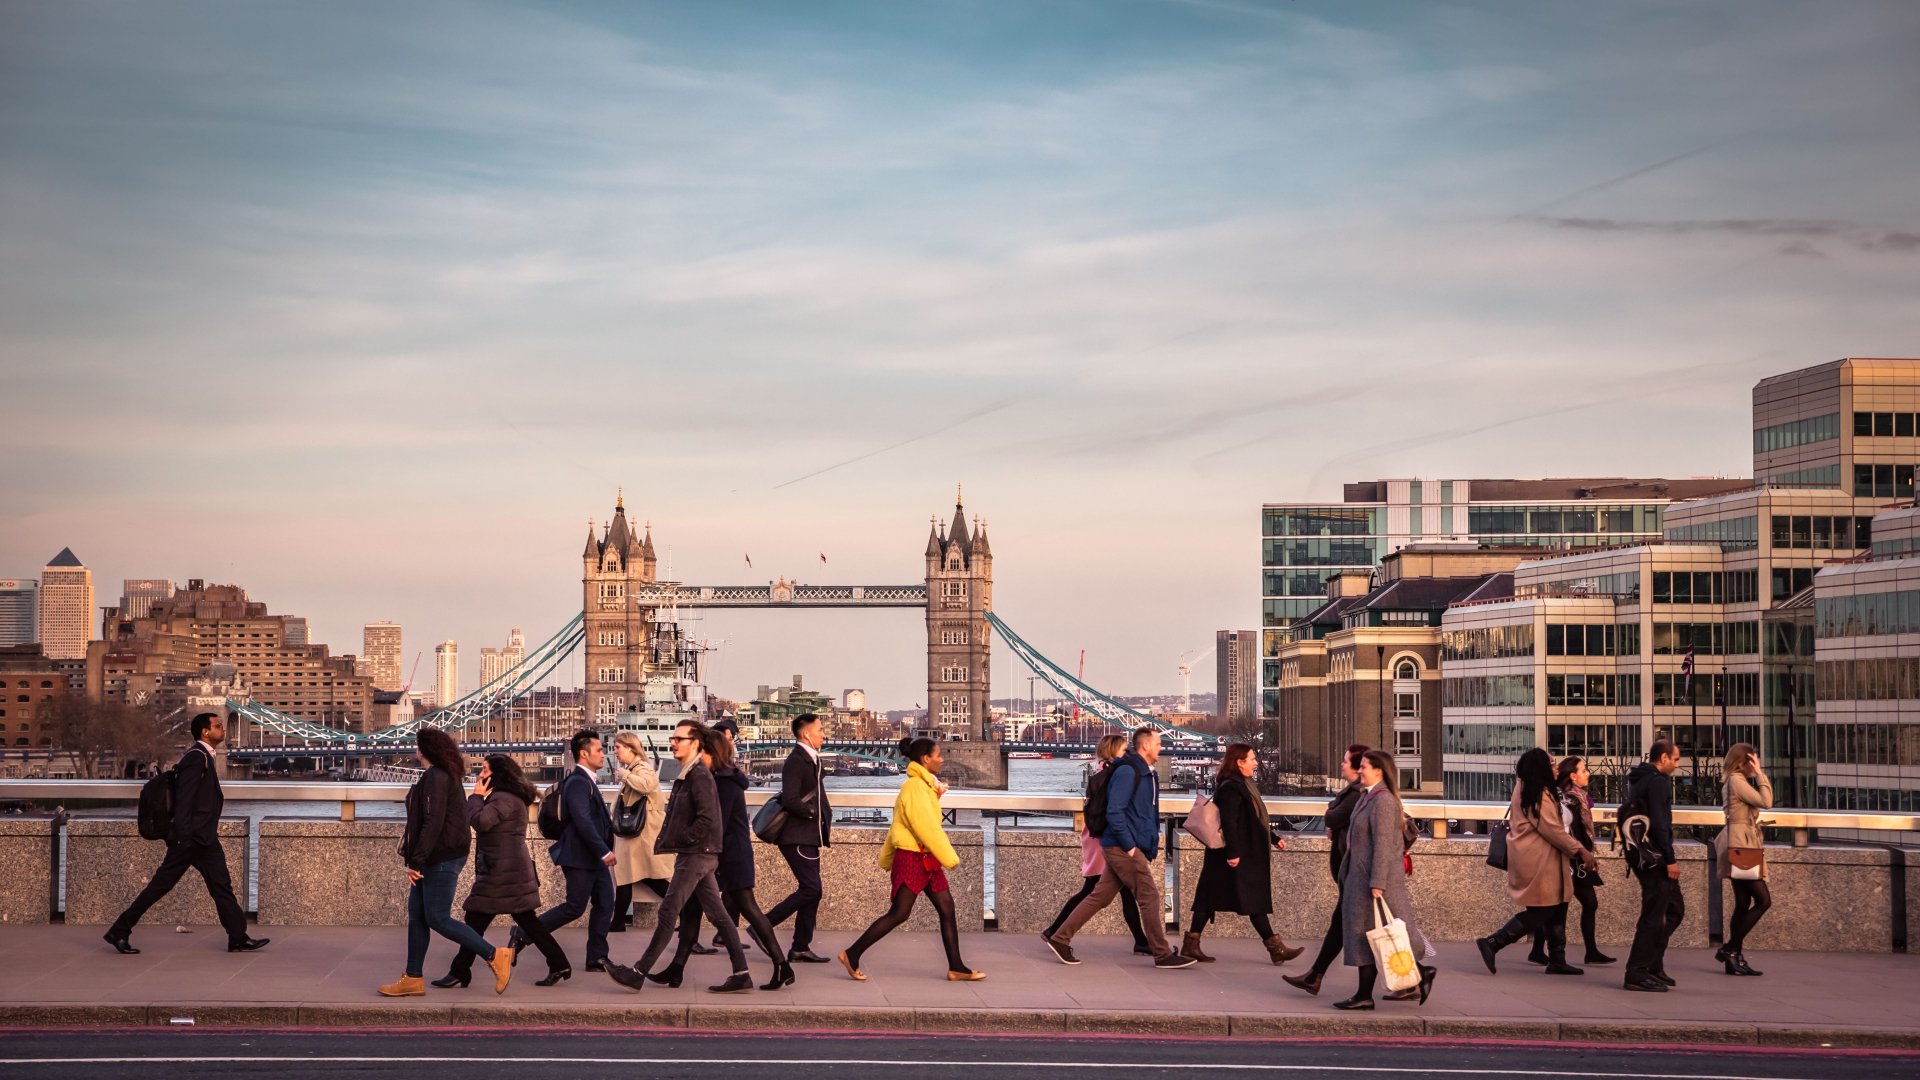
{"points": [[556, 976], [595, 965], [1664, 979], [517, 940], [1355, 1003], [1647, 985], [668, 976], [734, 984], [1598, 959], [252, 944], [452, 979], [1721, 954], [807, 956], [703, 950], [121, 944], [1427, 975], [624, 975]]}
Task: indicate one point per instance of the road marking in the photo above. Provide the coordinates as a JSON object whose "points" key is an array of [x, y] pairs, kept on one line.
{"points": [[887, 1063]]}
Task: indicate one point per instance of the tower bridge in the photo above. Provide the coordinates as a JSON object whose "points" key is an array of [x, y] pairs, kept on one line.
{"points": [[630, 636]]}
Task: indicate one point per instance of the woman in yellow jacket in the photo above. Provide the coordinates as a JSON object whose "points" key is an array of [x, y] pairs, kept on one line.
{"points": [[918, 855]]}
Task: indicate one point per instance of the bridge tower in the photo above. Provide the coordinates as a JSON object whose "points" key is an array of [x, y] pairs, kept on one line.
{"points": [[959, 595], [618, 645]]}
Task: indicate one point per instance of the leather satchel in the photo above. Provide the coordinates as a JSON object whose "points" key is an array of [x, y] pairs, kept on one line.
{"points": [[770, 821], [629, 819], [1745, 863]]}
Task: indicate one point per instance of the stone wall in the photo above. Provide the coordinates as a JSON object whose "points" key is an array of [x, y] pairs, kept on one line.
{"points": [[108, 864], [26, 889], [1035, 872]]}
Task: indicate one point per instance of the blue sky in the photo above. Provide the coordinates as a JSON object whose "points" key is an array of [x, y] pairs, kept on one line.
{"points": [[369, 307]]}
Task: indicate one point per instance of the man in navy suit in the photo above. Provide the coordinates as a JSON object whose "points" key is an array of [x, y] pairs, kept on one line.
{"points": [[193, 842], [584, 852]]}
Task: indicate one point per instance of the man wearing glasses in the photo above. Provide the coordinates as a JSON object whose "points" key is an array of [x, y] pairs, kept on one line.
{"points": [[692, 834]]}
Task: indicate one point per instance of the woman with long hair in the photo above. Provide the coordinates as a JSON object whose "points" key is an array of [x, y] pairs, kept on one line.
{"points": [[1540, 853], [1375, 870], [735, 873], [917, 854], [504, 881], [1338, 816], [1093, 863], [434, 848], [1570, 786], [1745, 791], [1237, 876], [634, 861]]}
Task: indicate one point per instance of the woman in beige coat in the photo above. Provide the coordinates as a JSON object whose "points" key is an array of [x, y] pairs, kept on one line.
{"points": [[1745, 792], [1539, 873], [634, 860]]}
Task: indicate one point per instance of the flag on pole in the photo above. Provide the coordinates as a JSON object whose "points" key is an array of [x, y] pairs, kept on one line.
{"points": [[1686, 671]]}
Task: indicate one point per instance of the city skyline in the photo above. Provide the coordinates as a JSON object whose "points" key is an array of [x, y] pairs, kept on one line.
{"points": [[464, 270]]}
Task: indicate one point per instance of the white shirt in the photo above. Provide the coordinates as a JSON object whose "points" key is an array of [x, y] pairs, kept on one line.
{"points": [[202, 744], [811, 752]]}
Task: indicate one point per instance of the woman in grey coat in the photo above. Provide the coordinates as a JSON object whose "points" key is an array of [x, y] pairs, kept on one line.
{"points": [[1375, 867]]}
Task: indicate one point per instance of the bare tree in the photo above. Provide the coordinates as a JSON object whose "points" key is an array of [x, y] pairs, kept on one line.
{"points": [[96, 732]]}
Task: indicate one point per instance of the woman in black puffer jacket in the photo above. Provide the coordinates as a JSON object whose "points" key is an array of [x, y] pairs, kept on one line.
{"points": [[504, 880]]}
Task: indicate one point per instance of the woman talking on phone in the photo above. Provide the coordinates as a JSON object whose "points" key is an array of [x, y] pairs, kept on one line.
{"points": [[504, 882]]}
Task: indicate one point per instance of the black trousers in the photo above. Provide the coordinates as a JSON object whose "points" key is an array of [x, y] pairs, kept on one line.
{"points": [[803, 904], [529, 924], [211, 861], [1589, 898], [1336, 939], [585, 887], [1662, 910]]}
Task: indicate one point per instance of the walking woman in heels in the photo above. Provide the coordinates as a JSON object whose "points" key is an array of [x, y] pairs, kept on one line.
{"points": [[504, 882], [918, 855], [1745, 793], [1375, 869], [434, 849]]}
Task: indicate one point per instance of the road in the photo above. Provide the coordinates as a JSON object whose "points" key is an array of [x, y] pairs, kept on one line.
{"points": [[547, 1054]]}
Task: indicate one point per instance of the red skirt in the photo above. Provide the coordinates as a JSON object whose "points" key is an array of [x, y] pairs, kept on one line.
{"points": [[917, 872]]}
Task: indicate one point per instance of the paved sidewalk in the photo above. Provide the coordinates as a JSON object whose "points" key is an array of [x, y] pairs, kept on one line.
{"points": [[325, 977]]}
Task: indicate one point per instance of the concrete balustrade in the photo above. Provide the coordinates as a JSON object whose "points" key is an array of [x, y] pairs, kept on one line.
{"points": [[108, 863], [26, 888]]}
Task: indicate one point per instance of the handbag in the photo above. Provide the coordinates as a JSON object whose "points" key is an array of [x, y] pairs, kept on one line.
{"points": [[1203, 822], [1392, 948], [770, 821], [629, 821], [1745, 863], [1497, 845]]}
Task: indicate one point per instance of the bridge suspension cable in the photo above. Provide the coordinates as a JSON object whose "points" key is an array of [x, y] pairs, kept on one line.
{"points": [[1089, 699], [509, 686]]}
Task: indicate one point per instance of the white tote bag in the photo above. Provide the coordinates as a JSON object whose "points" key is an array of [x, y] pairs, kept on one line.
{"points": [[1392, 949], [1203, 822]]}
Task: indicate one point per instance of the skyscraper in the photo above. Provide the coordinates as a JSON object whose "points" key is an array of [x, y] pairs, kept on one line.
{"points": [[66, 607], [19, 611], [446, 666], [497, 662], [1236, 668], [138, 594], [380, 644], [296, 632]]}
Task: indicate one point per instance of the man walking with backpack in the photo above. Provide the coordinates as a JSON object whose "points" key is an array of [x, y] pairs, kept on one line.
{"points": [[583, 850], [193, 841], [1650, 855], [1130, 842]]}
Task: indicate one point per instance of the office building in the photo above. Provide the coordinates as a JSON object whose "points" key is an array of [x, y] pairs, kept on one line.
{"points": [[380, 645], [446, 670], [138, 594], [32, 683], [495, 663], [297, 630], [66, 607], [1588, 657], [19, 612], [1865, 734], [1236, 670], [854, 700]]}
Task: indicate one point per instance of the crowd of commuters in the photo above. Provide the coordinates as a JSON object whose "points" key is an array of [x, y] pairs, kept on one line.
{"points": [[692, 852]]}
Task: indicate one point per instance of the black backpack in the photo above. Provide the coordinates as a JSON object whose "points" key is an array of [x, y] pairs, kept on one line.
{"points": [[1632, 833], [551, 821], [156, 806], [1095, 810]]}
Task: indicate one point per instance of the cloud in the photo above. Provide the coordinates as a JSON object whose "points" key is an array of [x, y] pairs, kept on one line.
{"points": [[1869, 238]]}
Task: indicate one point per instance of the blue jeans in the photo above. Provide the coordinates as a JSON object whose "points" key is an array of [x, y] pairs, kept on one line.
{"points": [[430, 908]]}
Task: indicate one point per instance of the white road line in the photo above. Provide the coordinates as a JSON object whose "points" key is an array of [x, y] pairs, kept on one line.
{"points": [[888, 1063]]}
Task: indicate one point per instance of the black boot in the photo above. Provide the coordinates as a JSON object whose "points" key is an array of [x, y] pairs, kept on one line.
{"points": [[1515, 929], [452, 979], [782, 976], [668, 976], [1557, 952]]}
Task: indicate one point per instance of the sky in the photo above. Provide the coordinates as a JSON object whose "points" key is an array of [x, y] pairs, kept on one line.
{"points": [[369, 308]]}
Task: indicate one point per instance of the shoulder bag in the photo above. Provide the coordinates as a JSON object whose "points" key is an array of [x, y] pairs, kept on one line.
{"points": [[629, 819], [770, 821], [1745, 863], [1203, 822], [1497, 845]]}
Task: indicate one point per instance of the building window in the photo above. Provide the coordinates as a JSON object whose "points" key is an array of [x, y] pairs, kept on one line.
{"points": [[612, 674], [953, 674], [1813, 429], [1406, 670], [953, 590], [1406, 706], [613, 637]]}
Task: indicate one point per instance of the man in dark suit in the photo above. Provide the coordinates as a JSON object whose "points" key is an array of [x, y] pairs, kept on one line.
{"points": [[193, 842], [584, 852], [809, 828]]}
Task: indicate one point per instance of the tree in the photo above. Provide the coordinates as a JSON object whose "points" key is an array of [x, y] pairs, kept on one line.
{"points": [[94, 732]]}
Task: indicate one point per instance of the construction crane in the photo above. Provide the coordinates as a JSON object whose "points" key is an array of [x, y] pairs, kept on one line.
{"points": [[1186, 677], [408, 685]]}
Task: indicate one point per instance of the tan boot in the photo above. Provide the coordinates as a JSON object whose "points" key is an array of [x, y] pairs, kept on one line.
{"points": [[1190, 948], [1278, 951], [408, 986], [502, 965]]}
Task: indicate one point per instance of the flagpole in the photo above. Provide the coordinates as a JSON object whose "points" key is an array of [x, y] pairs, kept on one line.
{"points": [[1693, 725]]}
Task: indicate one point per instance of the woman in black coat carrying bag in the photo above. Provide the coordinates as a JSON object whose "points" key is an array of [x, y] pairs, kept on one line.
{"points": [[1238, 875], [504, 881]]}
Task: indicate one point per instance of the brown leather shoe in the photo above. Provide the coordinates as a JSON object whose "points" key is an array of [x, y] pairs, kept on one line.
{"points": [[1190, 948], [1278, 952], [407, 986], [502, 966]]}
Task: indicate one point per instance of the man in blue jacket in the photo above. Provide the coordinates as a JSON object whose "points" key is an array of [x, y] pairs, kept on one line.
{"points": [[584, 852], [1129, 843]]}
